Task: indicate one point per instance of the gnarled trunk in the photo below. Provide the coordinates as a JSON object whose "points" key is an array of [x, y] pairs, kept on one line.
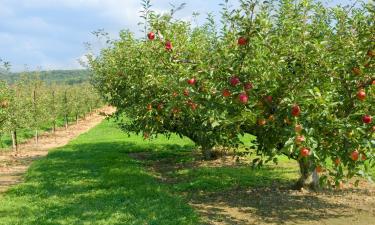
{"points": [[309, 177]]}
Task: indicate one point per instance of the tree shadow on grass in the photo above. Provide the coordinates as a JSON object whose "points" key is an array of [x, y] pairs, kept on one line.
{"points": [[241, 195], [93, 184]]}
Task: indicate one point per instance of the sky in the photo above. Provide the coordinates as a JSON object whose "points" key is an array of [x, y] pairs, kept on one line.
{"points": [[50, 34]]}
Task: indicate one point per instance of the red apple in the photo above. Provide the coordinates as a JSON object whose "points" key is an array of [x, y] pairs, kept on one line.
{"points": [[363, 157], [160, 106], [168, 45], [300, 139], [296, 110], [354, 155], [234, 81], [298, 128], [151, 36], [356, 71], [242, 41], [304, 152], [269, 98], [175, 110], [226, 93], [243, 98], [248, 86], [337, 161], [367, 119], [191, 81], [370, 53], [186, 92], [193, 106], [149, 107], [318, 169], [361, 95], [262, 122]]}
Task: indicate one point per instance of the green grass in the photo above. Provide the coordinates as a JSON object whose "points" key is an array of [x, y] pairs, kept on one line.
{"points": [[108, 177], [93, 181]]}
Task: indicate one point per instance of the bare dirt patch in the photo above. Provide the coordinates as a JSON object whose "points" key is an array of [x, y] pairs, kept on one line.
{"points": [[270, 205], [13, 164]]}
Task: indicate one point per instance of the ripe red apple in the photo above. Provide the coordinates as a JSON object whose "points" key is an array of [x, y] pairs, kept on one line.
{"points": [[242, 41], [191, 81], [304, 152], [298, 128], [226, 93], [337, 161], [367, 119], [248, 86], [186, 92], [269, 98], [151, 36], [296, 110], [373, 82], [193, 106], [356, 71], [354, 155], [175, 110], [361, 95], [234, 81], [363, 157], [168, 45], [370, 53], [243, 98], [300, 139], [149, 107], [262, 122]]}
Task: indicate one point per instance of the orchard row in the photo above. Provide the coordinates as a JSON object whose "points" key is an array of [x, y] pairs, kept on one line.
{"points": [[32, 104], [296, 74]]}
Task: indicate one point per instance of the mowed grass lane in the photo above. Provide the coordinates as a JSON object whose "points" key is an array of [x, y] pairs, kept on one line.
{"points": [[94, 181]]}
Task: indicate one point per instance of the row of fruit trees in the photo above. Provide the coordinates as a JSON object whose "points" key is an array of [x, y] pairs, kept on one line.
{"points": [[295, 73], [31, 104]]}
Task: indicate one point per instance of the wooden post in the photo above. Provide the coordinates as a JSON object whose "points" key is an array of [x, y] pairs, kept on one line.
{"points": [[14, 140]]}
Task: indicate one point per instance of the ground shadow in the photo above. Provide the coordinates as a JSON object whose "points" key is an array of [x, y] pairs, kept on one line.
{"points": [[241, 195]]}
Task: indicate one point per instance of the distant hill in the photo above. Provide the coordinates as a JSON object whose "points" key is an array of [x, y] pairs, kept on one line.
{"points": [[52, 76]]}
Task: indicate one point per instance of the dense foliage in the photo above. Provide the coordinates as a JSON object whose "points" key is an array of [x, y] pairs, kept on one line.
{"points": [[295, 73]]}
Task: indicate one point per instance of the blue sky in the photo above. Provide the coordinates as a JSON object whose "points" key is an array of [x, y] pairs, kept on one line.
{"points": [[50, 34]]}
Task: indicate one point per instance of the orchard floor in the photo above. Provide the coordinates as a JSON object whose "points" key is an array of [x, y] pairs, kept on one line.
{"points": [[13, 164], [107, 177]]}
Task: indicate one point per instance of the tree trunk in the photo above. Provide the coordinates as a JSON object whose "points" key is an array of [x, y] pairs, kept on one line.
{"points": [[54, 127], [14, 140], [305, 171], [1, 141], [315, 181], [66, 122], [36, 137]]}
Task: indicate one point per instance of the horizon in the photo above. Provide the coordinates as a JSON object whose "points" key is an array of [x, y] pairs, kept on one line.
{"points": [[38, 35]]}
